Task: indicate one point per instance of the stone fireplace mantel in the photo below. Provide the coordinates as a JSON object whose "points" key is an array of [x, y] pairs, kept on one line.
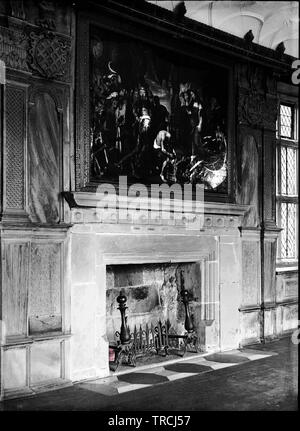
{"points": [[97, 242], [84, 208]]}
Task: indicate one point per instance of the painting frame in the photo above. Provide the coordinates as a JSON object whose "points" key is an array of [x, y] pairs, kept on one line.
{"points": [[117, 24]]}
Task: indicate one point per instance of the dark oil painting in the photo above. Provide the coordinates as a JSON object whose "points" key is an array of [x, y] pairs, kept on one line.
{"points": [[156, 116]]}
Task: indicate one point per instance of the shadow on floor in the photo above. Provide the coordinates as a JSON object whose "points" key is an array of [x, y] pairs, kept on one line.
{"points": [[186, 367], [142, 378], [226, 358]]}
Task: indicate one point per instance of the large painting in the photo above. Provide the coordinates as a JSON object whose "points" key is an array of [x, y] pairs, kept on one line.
{"points": [[156, 116]]}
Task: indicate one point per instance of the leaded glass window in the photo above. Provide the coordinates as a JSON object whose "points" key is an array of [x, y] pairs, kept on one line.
{"points": [[287, 183], [286, 121], [288, 235]]}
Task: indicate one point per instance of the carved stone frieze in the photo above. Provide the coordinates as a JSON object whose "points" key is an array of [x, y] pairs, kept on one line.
{"points": [[154, 218], [41, 52], [48, 55], [13, 44]]}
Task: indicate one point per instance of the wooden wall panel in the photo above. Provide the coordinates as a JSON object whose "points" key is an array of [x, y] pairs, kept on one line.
{"points": [[16, 257], [14, 367], [248, 191], [15, 142], [269, 270], [44, 159], [45, 288], [251, 272], [45, 362]]}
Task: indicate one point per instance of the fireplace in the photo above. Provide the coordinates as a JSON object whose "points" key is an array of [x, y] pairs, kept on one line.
{"points": [[145, 262], [153, 293]]}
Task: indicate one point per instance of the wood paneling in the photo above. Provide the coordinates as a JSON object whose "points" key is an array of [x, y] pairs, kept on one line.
{"points": [[45, 362], [269, 270], [15, 142], [248, 181], [44, 159], [16, 258], [45, 287], [250, 272]]}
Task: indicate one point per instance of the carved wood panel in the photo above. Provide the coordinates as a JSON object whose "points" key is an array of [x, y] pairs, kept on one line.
{"points": [[248, 191], [250, 272], [269, 185], [45, 308], [15, 142], [257, 103], [269, 270], [49, 55], [15, 284], [45, 147]]}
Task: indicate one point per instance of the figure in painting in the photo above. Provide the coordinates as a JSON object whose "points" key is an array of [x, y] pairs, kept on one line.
{"points": [[124, 122], [191, 118], [211, 167], [159, 117], [165, 156], [213, 142], [138, 158]]}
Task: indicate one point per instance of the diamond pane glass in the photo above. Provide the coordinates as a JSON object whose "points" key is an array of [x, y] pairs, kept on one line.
{"points": [[283, 170], [283, 227], [288, 234], [286, 121], [291, 171]]}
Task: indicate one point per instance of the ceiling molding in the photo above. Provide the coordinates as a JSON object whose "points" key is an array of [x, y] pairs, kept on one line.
{"points": [[276, 18]]}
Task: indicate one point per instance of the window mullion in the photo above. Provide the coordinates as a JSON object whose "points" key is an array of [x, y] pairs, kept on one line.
{"points": [[286, 171], [279, 170]]}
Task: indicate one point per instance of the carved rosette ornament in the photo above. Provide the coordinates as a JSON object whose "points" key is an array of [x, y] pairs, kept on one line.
{"points": [[48, 55]]}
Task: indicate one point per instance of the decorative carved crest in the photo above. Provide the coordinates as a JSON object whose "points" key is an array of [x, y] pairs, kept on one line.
{"points": [[255, 110], [250, 109], [48, 55]]}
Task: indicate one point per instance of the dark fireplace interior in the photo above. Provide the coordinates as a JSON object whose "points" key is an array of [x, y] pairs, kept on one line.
{"points": [[153, 293]]}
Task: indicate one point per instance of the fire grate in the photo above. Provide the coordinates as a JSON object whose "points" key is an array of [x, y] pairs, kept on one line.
{"points": [[160, 339]]}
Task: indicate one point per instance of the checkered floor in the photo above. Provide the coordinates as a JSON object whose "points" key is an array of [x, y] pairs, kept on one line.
{"points": [[163, 373]]}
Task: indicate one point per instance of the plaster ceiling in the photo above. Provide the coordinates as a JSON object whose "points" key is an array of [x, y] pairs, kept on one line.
{"points": [[271, 22]]}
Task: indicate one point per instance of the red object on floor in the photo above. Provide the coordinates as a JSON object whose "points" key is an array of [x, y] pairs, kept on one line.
{"points": [[111, 355]]}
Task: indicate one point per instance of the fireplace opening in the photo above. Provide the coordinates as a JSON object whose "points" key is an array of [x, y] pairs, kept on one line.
{"points": [[154, 294]]}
